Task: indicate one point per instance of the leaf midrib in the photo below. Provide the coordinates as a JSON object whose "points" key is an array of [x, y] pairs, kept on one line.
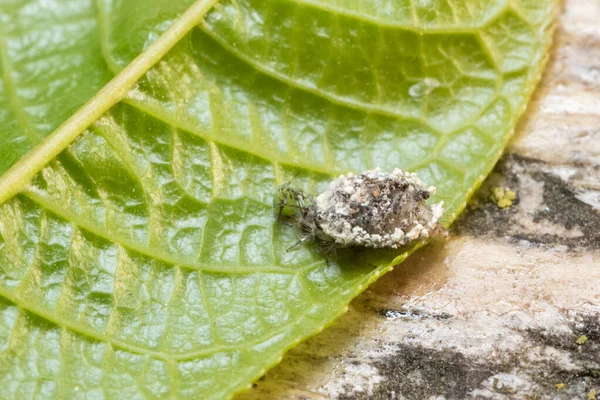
{"points": [[15, 179]]}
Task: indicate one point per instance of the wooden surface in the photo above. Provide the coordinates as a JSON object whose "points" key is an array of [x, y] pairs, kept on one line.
{"points": [[500, 310]]}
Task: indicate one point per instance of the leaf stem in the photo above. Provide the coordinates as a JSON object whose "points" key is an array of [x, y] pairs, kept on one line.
{"points": [[13, 181]]}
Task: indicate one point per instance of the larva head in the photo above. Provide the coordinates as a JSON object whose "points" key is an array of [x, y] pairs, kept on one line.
{"points": [[291, 203]]}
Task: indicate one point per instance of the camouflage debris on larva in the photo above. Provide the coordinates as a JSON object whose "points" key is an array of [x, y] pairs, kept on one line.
{"points": [[373, 209]]}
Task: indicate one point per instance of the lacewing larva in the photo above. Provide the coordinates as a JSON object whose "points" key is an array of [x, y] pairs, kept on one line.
{"points": [[373, 209]]}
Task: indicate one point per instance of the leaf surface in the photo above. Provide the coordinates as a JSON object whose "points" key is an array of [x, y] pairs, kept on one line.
{"points": [[139, 255], [55, 55]]}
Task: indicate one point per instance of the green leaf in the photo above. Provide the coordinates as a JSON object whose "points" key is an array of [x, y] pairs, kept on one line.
{"points": [[139, 255]]}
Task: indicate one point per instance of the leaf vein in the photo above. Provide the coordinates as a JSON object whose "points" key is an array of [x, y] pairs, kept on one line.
{"points": [[331, 98], [128, 244], [32, 134]]}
